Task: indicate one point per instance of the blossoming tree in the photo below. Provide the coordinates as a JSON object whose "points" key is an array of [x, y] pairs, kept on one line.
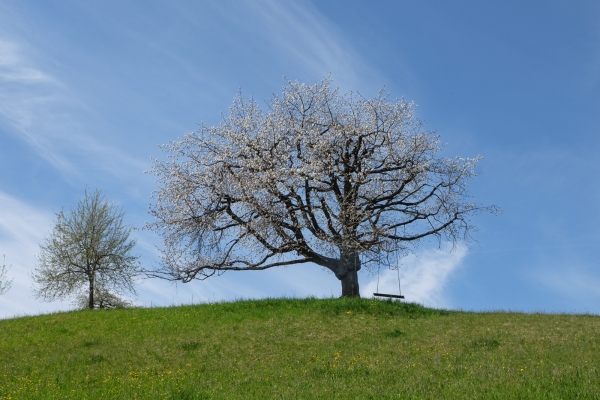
{"points": [[319, 177], [88, 247]]}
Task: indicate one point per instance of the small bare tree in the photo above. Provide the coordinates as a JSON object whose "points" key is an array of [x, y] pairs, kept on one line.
{"points": [[5, 283], [88, 247], [336, 180]]}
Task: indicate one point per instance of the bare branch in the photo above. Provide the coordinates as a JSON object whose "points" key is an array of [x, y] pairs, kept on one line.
{"points": [[336, 180]]}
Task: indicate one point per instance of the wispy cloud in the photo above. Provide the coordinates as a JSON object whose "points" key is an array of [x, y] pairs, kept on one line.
{"points": [[308, 41], [28, 99], [22, 229], [573, 282], [46, 114], [305, 34], [422, 276], [13, 69]]}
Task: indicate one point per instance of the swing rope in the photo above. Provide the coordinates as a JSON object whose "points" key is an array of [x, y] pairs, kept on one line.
{"points": [[399, 290], [398, 296]]}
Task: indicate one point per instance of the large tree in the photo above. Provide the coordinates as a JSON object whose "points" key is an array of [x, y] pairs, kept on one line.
{"points": [[89, 248], [319, 177]]}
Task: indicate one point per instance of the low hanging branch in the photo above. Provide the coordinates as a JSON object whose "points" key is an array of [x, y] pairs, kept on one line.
{"points": [[320, 177]]}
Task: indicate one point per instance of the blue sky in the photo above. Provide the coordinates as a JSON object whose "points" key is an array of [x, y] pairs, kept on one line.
{"points": [[88, 90]]}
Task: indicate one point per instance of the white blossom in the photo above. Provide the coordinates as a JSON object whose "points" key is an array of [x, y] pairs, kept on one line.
{"points": [[319, 177]]}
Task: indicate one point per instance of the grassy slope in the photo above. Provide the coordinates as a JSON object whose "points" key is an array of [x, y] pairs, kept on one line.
{"points": [[335, 348]]}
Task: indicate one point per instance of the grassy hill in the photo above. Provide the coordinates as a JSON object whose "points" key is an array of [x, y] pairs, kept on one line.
{"points": [[308, 348]]}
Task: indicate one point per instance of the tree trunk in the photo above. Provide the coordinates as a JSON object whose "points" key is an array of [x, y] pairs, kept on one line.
{"points": [[348, 273], [91, 302], [350, 284]]}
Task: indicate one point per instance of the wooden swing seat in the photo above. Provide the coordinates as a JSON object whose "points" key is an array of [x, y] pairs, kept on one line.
{"points": [[388, 295]]}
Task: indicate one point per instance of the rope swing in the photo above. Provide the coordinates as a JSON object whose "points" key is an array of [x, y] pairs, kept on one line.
{"points": [[395, 296]]}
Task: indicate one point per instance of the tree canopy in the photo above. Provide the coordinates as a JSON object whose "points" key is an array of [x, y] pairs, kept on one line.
{"points": [[320, 177], [88, 247]]}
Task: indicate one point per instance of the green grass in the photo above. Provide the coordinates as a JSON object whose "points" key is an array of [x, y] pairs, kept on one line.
{"points": [[299, 348]]}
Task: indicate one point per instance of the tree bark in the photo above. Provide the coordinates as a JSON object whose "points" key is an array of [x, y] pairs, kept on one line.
{"points": [[348, 273], [91, 302], [350, 284]]}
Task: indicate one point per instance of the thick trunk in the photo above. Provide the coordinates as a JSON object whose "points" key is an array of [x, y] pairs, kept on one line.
{"points": [[350, 284], [348, 274]]}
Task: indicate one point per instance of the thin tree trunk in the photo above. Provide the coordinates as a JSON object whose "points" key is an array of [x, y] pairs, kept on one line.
{"points": [[91, 302]]}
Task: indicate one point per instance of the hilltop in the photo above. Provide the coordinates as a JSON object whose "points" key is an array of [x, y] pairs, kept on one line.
{"points": [[299, 348]]}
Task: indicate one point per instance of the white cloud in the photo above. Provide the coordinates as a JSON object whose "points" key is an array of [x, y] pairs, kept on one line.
{"points": [[22, 229], [422, 277]]}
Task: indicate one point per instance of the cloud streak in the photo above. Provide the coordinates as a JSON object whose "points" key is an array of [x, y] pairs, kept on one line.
{"points": [[46, 114], [28, 97], [302, 39], [572, 282]]}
